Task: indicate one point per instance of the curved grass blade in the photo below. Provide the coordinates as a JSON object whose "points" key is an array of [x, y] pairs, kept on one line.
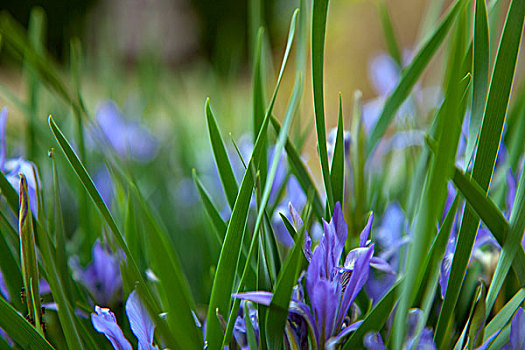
{"points": [[28, 258], [9, 193], [186, 330], [224, 167], [216, 219], [375, 319], [319, 15], [22, 332], [229, 256], [411, 74], [511, 246], [281, 140], [337, 170], [358, 154], [390, 35], [504, 315], [300, 171], [480, 75], [282, 294], [489, 141]]}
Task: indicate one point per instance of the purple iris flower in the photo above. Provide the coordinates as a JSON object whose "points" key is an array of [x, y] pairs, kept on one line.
{"points": [[389, 238], [14, 166], [104, 321], [331, 288], [102, 277], [517, 331], [239, 329], [126, 138]]}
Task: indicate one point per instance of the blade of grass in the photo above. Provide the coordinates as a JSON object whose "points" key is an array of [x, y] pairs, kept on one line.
{"points": [[337, 170], [184, 329], [282, 294], [224, 167], [224, 276], [505, 314], [448, 127], [300, 171], [215, 218], [10, 266], [281, 140], [319, 16], [390, 35], [375, 319], [358, 154], [411, 74], [258, 102], [480, 75], [511, 245], [489, 140], [22, 332]]}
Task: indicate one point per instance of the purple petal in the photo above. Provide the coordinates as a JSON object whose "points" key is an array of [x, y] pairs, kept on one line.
{"points": [[104, 321], [511, 191], [3, 288], [338, 339], [363, 238], [260, 297], [373, 341], [357, 280], [324, 297], [140, 322], [381, 265], [298, 224], [517, 330], [384, 74]]}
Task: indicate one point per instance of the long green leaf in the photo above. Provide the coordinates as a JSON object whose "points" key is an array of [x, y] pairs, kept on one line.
{"points": [[489, 140], [411, 74], [186, 337], [281, 140], [390, 35], [228, 180], [480, 75], [511, 246], [21, 331], [319, 15], [337, 171], [224, 275], [216, 220], [505, 314]]}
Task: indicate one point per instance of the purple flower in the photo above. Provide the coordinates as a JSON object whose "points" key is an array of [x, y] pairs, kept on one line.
{"points": [[126, 138], [14, 166], [331, 288], [517, 331], [102, 277], [104, 321]]}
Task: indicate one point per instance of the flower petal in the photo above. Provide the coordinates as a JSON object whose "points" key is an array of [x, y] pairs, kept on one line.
{"points": [[104, 321], [140, 322], [517, 330]]}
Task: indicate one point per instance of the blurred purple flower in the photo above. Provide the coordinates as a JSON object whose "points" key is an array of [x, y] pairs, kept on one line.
{"points": [[104, 184], [517, 331], [14, 166], [104, 321], [239, 329], [374, 341], [126, 138], [102, 277]]}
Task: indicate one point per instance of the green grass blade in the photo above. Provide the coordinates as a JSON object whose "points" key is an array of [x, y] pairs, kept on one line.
{"points": [[224, 276], [213, 213], [390, 35], [319, 16], [505, 314], [358, 154], [491, 216], [28, 258], [375, 319], [147, 297], [448, 129], [489, 140], [511, 246], [9, 193], [9, 264], [300, 171], [411, 74], [279, 146], [337, 171], [224, 167], [259, 103], [480, 75], [282, 294], [21, 331]]}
